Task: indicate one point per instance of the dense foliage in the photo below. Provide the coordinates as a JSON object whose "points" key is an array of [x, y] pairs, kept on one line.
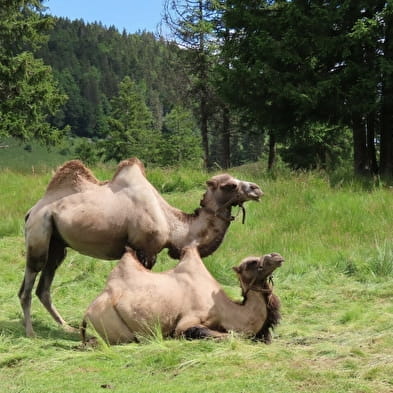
{"points": [[312, 80], [295, 63], [121, 88], [28, 91], [90, 61]]}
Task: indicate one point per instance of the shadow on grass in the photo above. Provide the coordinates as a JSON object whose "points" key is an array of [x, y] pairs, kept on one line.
{"points": [[15, 329]]}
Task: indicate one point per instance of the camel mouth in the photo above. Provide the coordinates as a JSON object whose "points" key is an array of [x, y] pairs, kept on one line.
{"points": [[255, 194], [251, 196], [275, 262], [277, 258], [250, 192], [254, 197], [278, 263]]}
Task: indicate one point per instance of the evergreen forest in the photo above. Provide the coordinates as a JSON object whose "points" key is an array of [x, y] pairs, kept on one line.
{"points": [[307, 83]]}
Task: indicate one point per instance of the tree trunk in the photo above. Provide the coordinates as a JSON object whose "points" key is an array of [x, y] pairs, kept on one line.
{"points": [[204, 130], [371, 152], [386, 159], [272, 151], [203, 78], [359, 145], [226, 138]]}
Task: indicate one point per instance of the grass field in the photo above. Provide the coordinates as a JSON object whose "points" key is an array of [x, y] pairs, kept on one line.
{"points": [[336, 289]]}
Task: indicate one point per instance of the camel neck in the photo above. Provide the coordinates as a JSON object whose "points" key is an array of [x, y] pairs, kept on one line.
{"points": [[247, 317], [223, 214], [203, 226]]}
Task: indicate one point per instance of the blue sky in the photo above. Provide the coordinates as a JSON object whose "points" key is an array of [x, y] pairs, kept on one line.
{"points": [[132, 15]]}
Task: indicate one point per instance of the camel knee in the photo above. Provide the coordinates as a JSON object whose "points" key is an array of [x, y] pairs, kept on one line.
{"points": [[201, 332], [196, 332], [43, 294], [26, 287], [45, 282], [21, 291], [24, 296]]}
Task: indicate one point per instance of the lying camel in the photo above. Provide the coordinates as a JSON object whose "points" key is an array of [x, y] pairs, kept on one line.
{"points": [[185, 301], [100, 219]]}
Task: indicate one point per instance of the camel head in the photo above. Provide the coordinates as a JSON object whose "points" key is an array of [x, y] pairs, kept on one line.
{"points": [[254, 271], [227, 191]]}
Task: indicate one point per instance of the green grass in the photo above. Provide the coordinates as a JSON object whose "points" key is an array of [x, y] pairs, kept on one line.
{"points": [[335, 288], [31, 157]]}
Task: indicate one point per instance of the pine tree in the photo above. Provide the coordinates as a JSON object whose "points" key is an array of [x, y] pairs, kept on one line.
{"points": [[131, 131], [192, 25], [28, 92], [182, 142]]}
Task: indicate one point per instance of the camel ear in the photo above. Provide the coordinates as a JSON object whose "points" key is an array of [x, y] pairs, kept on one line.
{"points": [[212, 183], [228, 186]]}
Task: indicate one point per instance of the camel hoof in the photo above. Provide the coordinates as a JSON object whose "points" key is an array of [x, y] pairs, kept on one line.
{"points": [[29, 331], [90, 342]]}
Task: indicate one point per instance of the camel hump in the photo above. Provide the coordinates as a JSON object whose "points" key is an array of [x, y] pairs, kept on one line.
{"points": [[128, 163], [71, 175]]}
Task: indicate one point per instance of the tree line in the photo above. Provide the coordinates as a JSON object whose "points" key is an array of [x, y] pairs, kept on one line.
{"points": [[233, 81], [319, 64]]}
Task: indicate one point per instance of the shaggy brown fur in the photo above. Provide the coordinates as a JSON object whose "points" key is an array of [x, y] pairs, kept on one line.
{"points": [[70, 175], [273, 317], [131, 161]]}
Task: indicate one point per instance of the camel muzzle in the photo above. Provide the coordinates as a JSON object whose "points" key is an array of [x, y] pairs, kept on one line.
{"points": [[251, 192]]}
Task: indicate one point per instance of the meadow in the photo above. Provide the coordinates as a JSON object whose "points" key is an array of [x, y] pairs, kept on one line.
{"points": [[336, 290]]}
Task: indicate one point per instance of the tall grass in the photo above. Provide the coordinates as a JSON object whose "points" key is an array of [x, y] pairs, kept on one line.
{"points": [[303, 217], [31, 157], [335, 288]]}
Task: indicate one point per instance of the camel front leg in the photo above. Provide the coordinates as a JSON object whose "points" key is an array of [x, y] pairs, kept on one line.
{"points": [[201, 332], [192, 328]]}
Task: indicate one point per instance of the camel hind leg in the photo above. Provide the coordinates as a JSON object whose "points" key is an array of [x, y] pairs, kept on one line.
{"points": [[56, 255], [38, 232], [44, 254], [34, 265], [46, 263], [25, 298]]}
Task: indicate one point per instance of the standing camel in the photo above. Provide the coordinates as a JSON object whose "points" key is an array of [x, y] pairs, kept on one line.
{"points": [[184, 301], [100, 219]]}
